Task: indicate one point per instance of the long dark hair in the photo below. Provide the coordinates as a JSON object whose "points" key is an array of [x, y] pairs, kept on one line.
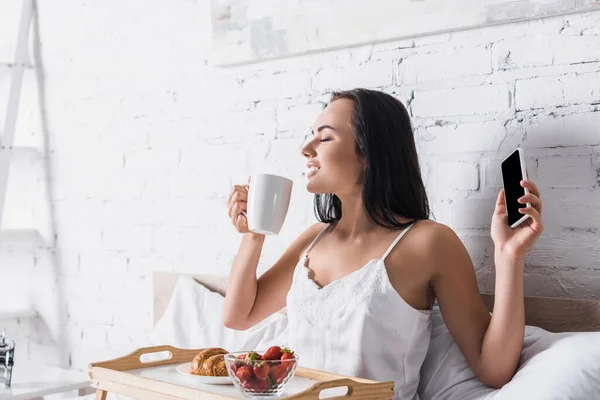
{"points": [[392, 183]]}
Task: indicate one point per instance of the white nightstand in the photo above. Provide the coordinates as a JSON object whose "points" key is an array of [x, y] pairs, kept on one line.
{"points": [[33, 381]]}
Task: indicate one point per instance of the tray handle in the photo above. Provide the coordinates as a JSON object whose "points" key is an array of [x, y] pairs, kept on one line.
{"points": [[356, 390], [133, 360], [321, 386]]}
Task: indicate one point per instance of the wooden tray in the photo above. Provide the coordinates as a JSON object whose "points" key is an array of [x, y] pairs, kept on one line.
{"points": [[154, 380]]}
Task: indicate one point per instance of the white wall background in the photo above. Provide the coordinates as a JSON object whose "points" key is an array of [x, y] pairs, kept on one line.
{"points": [[144, 140]]}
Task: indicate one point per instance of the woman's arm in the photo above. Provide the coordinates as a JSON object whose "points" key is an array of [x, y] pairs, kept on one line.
{"points": [[491, 345], [249, 300]]}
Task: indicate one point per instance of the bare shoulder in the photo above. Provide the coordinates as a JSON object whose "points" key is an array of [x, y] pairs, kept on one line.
{"points": [[441, 249], [428, 234], [430, 243]]}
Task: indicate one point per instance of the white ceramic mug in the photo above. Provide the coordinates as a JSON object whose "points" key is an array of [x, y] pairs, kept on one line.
{"points": [[268, 202]]}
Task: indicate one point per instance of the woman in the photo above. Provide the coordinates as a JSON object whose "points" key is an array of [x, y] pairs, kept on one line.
{"points": [[358, 298]]}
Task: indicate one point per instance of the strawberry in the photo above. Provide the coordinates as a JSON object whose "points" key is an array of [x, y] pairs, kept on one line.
{"points": [[279, 371], [272, 353], [242, 356], [261, 370], [244, 373], [253, 356], [256, 384], [287, 355]]}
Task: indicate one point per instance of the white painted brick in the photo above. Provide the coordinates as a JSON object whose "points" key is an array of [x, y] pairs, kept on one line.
{"points": [[156, 185], [573, 130], [369, 75], [528, 51], [572, 208], [133, 313], [447, 176], [88, 311], [171, 134], [176, 241], [129, 238], [462, 101], [79, 287], [284, 157], [566, 172], [184, 213], [577, 49], [126, 338], [494, 33], [232, 127], [106, 264], [470, 213], [539, 280], [567, 248], [126, 185], [141, 264], [561, 283], [184, 183], [94, 335], [447, 65], [298, 118], [151, 159], [473, 137], [44, 353], [276, 86], [557, 91], [579, 24]]}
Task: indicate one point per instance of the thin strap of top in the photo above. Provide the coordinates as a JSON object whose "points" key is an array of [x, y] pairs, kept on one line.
{"points": [[309, 248], [389, 250], [395, 242]]}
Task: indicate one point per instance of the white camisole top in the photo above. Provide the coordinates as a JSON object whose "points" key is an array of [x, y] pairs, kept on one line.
{"points": [[358, 325]]}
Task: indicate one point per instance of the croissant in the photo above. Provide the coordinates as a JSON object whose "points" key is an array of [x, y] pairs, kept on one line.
{"points": [[209, 362]]}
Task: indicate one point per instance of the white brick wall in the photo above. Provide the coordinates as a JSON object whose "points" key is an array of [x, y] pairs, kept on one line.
{"points": [[462, 101], [146, 139], [558, 91]]}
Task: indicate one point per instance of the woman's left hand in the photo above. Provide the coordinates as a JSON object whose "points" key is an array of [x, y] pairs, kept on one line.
{"points": [[516, 242]]}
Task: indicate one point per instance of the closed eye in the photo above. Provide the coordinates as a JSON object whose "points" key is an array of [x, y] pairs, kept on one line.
{"points": [[325, 140]]}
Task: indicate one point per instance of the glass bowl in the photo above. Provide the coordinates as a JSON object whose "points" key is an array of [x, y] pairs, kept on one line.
{"points": [[257, 378]]}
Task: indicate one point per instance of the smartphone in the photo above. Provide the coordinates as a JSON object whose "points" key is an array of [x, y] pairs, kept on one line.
{"points": [[513, 172]]}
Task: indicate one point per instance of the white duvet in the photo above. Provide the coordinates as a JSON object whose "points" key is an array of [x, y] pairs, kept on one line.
{"points": [[553, 366]]}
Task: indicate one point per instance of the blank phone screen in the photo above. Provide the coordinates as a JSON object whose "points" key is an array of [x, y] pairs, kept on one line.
{"points": [[512, 176]]}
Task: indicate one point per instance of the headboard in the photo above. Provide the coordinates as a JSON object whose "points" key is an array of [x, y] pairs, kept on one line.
{"points": [[552, 314]]}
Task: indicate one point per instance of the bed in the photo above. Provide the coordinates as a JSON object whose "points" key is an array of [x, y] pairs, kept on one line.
{"points": [[560, 357]]}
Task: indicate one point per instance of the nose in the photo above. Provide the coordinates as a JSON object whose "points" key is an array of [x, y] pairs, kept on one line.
{"points": [[308, 150]]}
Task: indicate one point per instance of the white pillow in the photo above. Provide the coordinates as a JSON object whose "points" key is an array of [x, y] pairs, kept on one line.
{"points": [[552, 366], [194, 319]]}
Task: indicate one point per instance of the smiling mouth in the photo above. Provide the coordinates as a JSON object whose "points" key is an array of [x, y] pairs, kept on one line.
{"points": [[312, 171]]}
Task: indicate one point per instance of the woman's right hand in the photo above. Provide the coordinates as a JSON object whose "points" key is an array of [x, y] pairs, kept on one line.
{"points": [[238, 202]]}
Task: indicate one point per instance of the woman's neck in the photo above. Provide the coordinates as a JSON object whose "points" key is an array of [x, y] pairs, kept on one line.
{"points": [[355, 221]]}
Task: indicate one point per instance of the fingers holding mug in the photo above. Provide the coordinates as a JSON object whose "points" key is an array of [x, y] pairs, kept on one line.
{"points": [[237, 213], [237, 204]]}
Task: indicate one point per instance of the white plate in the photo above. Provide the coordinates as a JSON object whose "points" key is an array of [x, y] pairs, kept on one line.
{"points": [[208, 380]]}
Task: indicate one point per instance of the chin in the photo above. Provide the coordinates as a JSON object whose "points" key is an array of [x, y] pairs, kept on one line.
{"points": [[315, 188]]}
